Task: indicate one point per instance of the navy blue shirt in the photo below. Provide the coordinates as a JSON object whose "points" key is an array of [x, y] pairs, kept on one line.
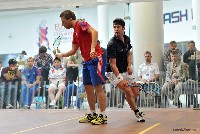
{"points": [[119, 50]]}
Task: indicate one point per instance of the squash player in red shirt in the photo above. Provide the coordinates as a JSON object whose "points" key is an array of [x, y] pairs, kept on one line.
{"points": [[85, 37]]}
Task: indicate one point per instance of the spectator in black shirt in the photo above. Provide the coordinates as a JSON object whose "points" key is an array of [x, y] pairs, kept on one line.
{"points": [[119, 70], [191, 64]]}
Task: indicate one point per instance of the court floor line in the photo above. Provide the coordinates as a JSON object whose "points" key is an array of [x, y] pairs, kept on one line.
{"points": [[149, 128], [30, 129]]}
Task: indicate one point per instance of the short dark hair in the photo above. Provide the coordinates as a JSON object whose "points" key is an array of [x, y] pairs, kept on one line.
{"points": [[12, 61], [192, 42], [42, 49], [119, 21], [68, 15], [24, 52], [57, 59], [173, 42]]}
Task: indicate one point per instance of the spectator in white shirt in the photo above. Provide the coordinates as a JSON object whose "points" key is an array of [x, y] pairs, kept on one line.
{"points": [[57, 78], [148, 74]]}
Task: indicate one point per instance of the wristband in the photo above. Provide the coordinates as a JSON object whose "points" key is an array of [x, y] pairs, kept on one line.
{"points": [[119, 77]]}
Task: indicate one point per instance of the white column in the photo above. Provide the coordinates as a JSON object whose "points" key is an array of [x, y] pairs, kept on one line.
{"points": [[148, 33], [103, 27], [196, 22]]}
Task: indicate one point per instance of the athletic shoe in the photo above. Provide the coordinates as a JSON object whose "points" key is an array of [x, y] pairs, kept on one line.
{"points": [[139, 117], [53, 103], [100, 120], [9, 106], [88, 118]]}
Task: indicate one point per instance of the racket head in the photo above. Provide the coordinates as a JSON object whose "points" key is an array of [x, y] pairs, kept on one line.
{"points": [[57, 42]]}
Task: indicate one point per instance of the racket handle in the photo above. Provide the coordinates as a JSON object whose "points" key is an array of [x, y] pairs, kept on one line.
{"points": [[131, 85], [56, 50]]}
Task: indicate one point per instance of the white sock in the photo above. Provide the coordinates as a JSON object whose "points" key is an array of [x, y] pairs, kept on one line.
{"points": [[92, 111], [103, 113]]}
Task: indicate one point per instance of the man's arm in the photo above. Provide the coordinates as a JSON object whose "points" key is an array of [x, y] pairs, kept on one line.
{"points": [[70, 52], [168, 73], [156, 73], [12, 77], [18, 73], [155, 78], [113, 66], [37, 81], [129, 69], [94, 35]]}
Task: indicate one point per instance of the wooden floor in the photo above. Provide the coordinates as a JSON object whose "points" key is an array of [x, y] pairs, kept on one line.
{"points": [[120, 121]]}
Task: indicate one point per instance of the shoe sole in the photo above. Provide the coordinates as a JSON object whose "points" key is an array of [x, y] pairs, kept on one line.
{"points": [[141, 121], [88, 121], [99, 123], [84, 122]]}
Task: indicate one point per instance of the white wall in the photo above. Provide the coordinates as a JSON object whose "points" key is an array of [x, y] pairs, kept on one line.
{"points": [[23, 26], [181, 30]]}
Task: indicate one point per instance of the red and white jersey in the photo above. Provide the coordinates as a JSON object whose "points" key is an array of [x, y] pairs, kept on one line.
{"points": [[57, 76], [82, 38]]}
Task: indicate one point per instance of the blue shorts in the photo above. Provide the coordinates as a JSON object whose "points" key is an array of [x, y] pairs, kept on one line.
{"points": [[94, 71]]}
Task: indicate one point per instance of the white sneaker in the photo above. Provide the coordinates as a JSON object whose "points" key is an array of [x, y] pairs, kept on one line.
{"points": [[9, 106], [26, 107], [139, 117], [53, 103], [65, 108], [75, 108]]}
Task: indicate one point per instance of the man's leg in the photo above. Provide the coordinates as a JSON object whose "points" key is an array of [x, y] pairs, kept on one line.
{"points": [[24, 95], [79, 101], [68, 93], [60, 91], [90, 97], [101, 97], [177, 93], [166, 93], [13, 95], [94, 74], [51, 92], [131, 94], [91, 101], [31, 95], [2, 89]]}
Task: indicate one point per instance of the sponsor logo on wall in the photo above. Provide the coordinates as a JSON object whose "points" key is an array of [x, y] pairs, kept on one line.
{"points": [[178, 16], [66, 34]]}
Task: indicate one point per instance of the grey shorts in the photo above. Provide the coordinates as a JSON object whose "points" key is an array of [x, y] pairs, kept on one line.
{"points": [[114, 80]]}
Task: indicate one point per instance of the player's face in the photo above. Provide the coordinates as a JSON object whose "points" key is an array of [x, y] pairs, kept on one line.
{"points": [[66, 23], [118, 30]]}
